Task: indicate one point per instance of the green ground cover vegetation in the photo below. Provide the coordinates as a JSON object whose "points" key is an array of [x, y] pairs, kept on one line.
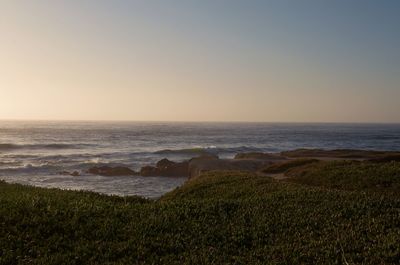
{"points": [[326, 213]]}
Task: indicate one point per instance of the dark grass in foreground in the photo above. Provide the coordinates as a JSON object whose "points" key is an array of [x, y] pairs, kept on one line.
{"points": [[219, 218]]}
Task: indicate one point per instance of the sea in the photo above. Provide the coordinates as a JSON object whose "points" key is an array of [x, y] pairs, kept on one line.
{"points": [[35, 152]]}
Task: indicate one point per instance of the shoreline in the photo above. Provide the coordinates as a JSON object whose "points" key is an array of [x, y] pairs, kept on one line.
{"points": [[253, 162], [250, 161]]}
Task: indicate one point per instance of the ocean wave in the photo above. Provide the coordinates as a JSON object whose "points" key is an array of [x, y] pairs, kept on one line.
{"points": [[53, 146], [206, 150], [184, 151], [29, 168]]}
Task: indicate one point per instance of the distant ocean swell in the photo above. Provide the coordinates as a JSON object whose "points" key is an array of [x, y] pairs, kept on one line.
{"points": [[9, 146], [208, 150], [189, 150]]}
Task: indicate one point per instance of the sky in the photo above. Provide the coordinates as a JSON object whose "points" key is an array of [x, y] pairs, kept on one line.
{"points": [[208, 60]]}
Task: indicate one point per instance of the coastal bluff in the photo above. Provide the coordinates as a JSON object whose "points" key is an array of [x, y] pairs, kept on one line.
{"points": [[249, 162]]}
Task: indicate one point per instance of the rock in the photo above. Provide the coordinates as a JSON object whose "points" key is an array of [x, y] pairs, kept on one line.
{"points": [[166, 168], [176, 169], [147, 171], [74, 174], [112, 171], [164, 163]]}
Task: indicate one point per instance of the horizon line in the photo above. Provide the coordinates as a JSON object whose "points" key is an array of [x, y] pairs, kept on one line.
{"points": [[199, 121]]}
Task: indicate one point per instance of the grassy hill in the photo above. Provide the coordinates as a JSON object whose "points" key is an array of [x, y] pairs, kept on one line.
{"points": [[323, 214]]}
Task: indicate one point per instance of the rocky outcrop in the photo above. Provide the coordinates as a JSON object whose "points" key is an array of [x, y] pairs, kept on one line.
{"points": [[112, 171], [165, 163], [251, 162], [74, 173], [199, 165], [166, 168], [148, 171]]}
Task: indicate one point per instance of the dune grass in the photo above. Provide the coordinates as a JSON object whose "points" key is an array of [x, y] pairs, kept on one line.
{"points": [[218, 218]]}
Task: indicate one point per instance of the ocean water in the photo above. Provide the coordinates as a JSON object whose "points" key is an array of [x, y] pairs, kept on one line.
{"points": [[35, 152]]}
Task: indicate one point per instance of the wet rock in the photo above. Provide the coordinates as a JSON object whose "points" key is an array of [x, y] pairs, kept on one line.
{"points": [[67, 173], [75, 174], [164, 163], [112, 171], [166, 168], [149, 171]]}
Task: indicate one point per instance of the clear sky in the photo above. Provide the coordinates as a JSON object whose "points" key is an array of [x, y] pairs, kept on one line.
{"points": [[187, 60]]}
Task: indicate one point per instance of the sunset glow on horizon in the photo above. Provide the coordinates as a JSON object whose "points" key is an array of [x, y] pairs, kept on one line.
{"points": [[272, 61]]}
